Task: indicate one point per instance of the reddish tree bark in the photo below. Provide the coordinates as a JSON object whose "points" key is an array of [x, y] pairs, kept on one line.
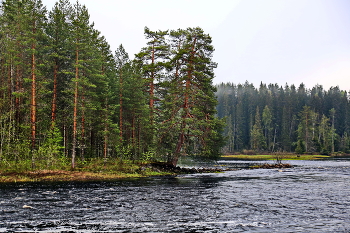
{"points": [[33, 100], [54, 97], [75, 110]]}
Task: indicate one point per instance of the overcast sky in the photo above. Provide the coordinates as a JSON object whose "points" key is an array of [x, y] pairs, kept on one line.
{"points": [[269, 41]]}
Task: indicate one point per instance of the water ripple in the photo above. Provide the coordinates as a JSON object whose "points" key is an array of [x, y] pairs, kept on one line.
{"points": [[312, 197]]}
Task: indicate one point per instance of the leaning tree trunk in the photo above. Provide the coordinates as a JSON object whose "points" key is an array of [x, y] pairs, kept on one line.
{"points": [[179, 145]]}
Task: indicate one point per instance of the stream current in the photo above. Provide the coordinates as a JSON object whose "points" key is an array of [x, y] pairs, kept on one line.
{"points": [[314, 196]]}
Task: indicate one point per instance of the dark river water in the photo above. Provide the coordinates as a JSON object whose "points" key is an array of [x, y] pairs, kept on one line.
{"points": [[314, 196]]}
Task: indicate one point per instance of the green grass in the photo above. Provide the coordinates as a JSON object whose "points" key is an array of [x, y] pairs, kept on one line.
{"points": [[273, 157], [88, 170]]}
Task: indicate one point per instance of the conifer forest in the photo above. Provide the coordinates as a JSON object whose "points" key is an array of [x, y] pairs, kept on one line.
{"points": [[272, 118], [100, 140], [66, 97]]}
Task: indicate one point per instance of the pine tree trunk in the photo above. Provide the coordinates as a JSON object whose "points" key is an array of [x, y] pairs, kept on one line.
{"points": [[65, 140], [82, 143], [332, 112], [17, 99], [185, 106], [54, 97], [133, 134], [105, 144], [33, 102], [75, 110], [306, 132], [151, 89], [121, 107], [179, 145]]}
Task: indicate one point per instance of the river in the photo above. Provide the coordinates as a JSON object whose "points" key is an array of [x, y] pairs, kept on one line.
{"points": [[314, 196]]}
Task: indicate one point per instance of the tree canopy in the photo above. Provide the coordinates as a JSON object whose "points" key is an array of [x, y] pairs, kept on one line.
{"points": [[66, 96], [273, 118]]}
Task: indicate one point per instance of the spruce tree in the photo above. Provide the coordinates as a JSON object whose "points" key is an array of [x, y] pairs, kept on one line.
{"points": [[267, 121], [258, 140]]}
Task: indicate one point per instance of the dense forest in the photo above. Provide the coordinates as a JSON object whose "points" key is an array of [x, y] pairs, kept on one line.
{"points": [[66, 97], [273, 118]]}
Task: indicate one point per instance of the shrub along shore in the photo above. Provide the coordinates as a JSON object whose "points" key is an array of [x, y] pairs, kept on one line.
{"points": [[93, 170], [88, 170]]}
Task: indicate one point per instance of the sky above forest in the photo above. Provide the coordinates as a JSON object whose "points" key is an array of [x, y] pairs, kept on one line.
{"points": [[270, 41]]}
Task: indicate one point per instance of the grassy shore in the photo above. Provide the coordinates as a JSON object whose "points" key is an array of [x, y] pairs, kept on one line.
{"points": [[98, 170], [273, 157], [87, 171]]}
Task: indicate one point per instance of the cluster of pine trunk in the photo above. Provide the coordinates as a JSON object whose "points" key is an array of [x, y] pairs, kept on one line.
{"points": [[64, 94]]}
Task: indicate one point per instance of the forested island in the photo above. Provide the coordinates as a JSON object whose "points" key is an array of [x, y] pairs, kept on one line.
{"points": [[272, 118], [67, 99]]}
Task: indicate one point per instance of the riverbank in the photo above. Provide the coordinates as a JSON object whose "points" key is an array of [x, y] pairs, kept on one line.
{"points": [[277, 156], [93, 170], [59, 175], [98, 172], [312, 197]]}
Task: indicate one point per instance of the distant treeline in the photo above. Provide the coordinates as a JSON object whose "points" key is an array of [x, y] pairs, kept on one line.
{"points": [[64, 94], [273, 118]]}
